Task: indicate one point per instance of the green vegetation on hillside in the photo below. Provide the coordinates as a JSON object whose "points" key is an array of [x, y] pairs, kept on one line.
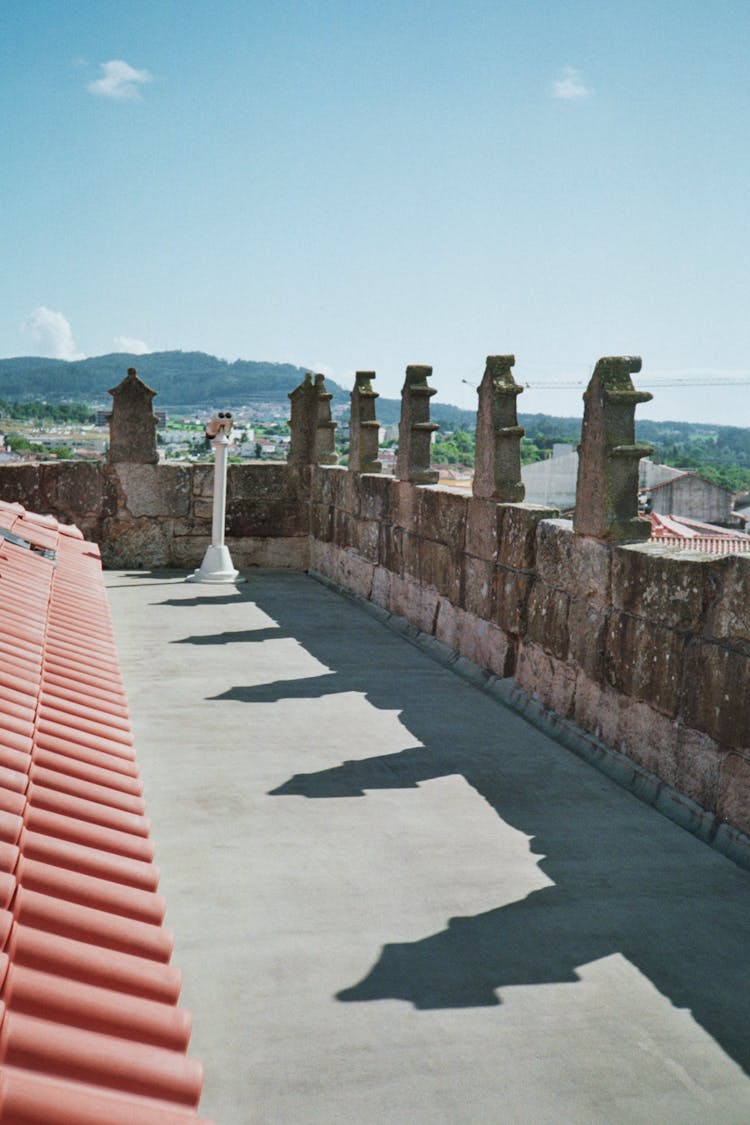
{"points": [[34, 411], [17, 443], [177, 377], [721, 454], [456, 449], [37, 389]]}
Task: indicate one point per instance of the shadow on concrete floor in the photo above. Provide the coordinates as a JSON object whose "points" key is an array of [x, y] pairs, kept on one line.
{"points": [[626, 880]]}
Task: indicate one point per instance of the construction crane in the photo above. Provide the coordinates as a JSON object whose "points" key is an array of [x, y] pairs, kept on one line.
{"points": [[656, 383]]}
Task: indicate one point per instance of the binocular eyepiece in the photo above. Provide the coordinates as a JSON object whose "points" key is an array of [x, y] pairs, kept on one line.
{"points": [[220, 423]]}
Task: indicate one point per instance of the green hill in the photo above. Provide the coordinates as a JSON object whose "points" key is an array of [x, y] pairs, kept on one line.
{"points": [[195, 379], [180, 379]]}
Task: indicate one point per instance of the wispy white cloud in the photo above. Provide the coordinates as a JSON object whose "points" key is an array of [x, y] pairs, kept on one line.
{"points": [[118, 80], [570, 86], [52, 334], [132, 346]]}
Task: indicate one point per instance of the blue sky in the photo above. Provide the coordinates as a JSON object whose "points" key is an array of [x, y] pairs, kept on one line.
{"points": [[345, 185]]}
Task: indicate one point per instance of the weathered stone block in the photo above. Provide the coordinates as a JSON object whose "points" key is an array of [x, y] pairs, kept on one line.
{"points": [[137, 543], [551, 681], [442, 516], [733, 799], [410, 563], [366, 535], [697, 767], [577, 565], [716, 689], [644, 661], [343, 528], [354, 573], [440, 566], [487, 645], [22, 484], [187, 551], [405, 504], [479, 587], [448, 623], [296, 480], [258, 482], [479, 641], [191, 527], [381, 587], [374, 496], [728, 616], [596, 708], [416, 603], [547, 624], [202, 477], [517, 530], [326, 483], [349, 497], [322, 558], [75, 486], [587, 628], [647, 737], [155, 490], [481, 528], [286, 554], [203, 509], [261, 518], [267, 483], [512, 588], [665, 587], [321, 522], [392, 548]]}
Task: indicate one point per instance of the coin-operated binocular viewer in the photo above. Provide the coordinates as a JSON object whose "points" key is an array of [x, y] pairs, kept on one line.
{"points": [[217, 562], [219, 424]]}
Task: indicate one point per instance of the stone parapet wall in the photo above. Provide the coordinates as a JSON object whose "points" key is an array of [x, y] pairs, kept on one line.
{"points": [[645, 649], [145, 516]]}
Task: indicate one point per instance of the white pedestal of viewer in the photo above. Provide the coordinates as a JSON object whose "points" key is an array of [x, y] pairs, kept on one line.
{"points": [[217, 564]]}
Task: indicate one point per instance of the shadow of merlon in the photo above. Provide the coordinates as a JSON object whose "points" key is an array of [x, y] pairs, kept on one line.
{"points": [[624, 879], [616, 890]]}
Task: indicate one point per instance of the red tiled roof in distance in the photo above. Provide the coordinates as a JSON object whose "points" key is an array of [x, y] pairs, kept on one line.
{"points": [[90, 1030]]}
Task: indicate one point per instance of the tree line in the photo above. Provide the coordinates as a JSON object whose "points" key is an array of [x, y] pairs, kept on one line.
{"points": [[39, 411], [720, 454]]}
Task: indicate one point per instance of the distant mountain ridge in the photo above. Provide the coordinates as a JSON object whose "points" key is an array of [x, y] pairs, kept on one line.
{"points": [[177, 377], [195, 379], [180, 379]]}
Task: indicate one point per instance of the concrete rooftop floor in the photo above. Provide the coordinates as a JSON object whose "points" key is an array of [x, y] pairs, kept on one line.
{"points": [[397, 902]]}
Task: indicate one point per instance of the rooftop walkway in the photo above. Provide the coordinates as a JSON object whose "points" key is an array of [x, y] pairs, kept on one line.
{"points": [[397, 902]]}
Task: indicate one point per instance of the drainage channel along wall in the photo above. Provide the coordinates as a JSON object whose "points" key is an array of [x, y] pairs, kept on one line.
{"points": [[645, 649], [90, 1030]]}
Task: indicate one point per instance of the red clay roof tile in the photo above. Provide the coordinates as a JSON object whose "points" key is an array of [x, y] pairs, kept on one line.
{"points": [[90, 1033]]}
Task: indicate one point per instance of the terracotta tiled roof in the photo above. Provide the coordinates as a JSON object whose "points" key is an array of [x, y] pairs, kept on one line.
{"points": [[90, 1031], [694, 535]]}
